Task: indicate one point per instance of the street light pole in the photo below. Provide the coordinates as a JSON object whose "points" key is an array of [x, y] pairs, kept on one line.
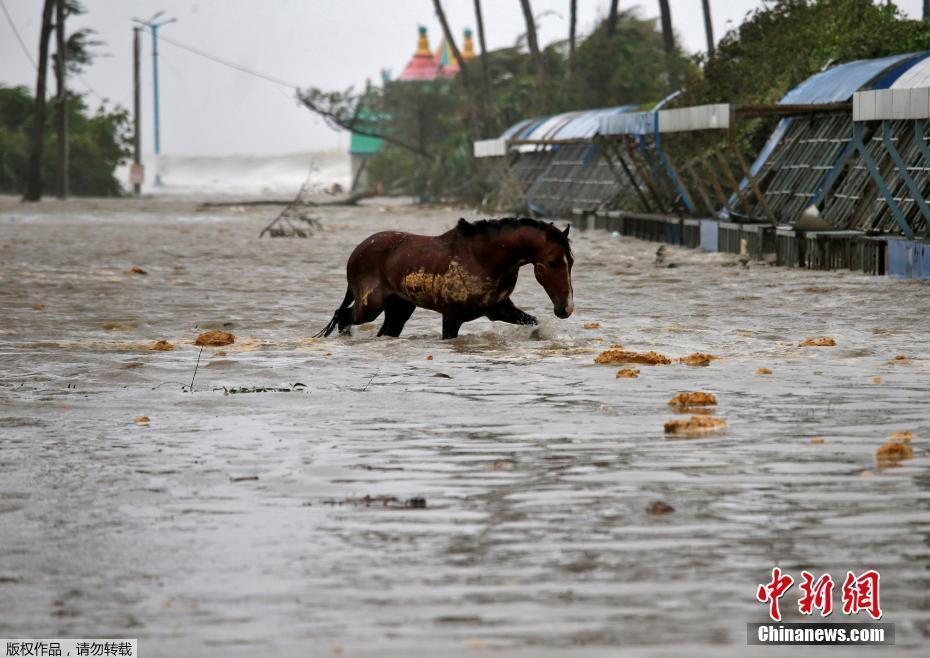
{"points": [[136, 172], [153, 27]]}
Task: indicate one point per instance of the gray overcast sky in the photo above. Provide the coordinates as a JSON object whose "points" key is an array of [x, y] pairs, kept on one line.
{"points": [[332, 44]]}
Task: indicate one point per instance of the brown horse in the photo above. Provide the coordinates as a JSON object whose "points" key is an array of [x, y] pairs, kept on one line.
{"points": [[464, 274]]}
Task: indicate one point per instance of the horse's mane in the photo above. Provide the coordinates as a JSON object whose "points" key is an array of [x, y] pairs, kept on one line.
{"points": [[491, 226]]}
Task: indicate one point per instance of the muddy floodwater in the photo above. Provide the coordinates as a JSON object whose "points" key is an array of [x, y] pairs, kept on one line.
{"points": [[417, 497]]}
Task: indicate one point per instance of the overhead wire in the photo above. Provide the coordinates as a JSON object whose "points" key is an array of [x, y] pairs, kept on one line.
{"points": [[225, 62], [22, 44]]}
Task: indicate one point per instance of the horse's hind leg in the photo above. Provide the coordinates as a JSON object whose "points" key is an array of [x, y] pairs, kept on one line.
{"points": [[344, 320], [368, 306], [396, 313]]}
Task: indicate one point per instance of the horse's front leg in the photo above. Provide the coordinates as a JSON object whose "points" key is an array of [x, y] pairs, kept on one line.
{"points": [[451, 324], [396, 313], [507, 312]]}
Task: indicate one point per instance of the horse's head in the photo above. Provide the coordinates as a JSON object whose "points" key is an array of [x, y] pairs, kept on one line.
{"points": [[553, 268]]}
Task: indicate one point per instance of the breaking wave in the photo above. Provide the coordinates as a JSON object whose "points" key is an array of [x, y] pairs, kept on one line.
{"points": [[244, 174]]}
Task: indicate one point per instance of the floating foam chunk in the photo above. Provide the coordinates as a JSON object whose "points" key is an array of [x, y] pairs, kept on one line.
{"points": [[693, 399], [823, 341], [694, 426], [615, 356], [215, 339]]}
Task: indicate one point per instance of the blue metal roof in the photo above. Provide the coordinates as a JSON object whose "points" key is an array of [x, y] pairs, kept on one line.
{"points": [[838, 83], [892, 74], [587, 124], [549, 127], [517, 128], [567, 125]]}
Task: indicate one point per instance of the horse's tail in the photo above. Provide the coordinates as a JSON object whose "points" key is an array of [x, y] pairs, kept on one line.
{"points": [[346, 302]]}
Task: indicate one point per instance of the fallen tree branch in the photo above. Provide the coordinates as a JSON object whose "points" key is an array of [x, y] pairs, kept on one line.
{"points": [[351, 200], [337, 119], [254, 202]]}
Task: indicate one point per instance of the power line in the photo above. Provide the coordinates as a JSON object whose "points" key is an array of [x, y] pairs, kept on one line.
{"points": [[233, 65], [89, 88], [178, 44], [9, 19]]}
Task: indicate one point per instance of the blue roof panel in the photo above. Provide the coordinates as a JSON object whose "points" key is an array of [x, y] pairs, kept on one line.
{"points": [[838, 83], [888, 77], [517, 128], [567, 125], [588, 123]]}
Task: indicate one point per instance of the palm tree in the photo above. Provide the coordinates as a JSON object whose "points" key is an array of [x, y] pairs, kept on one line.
{"points": [[33, 191], [572, 22], [533, 44], [709, 25], [485, 84], [612, 18], [668, 38]]}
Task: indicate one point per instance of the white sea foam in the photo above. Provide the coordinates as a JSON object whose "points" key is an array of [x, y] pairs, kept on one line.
{"points": [[244, 174]]}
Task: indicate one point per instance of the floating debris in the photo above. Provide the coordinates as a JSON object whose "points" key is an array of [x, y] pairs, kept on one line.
{"points": [[615, 356], [694, 426], [592, 325], [442, 375], [823, 341], [877, 380], [905, 436], [628, 373], [693, 399], [215, 339], [38, 307], [567, 351], [817, 440], [390, 502], [660, 255], [162, 346], [659, 507], [892, 453], [429, 357], [219, 353], [235, 390], [135, 269], [141, 420], [243, 478], [762, 371], [697, 359]]}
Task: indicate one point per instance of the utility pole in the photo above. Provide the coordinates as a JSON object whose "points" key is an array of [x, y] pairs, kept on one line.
{"points": [[60, 42], [136, 173], [153, 27]]}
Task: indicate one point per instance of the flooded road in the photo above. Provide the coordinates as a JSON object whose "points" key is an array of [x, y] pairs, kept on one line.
{"points": [[238, 524]]}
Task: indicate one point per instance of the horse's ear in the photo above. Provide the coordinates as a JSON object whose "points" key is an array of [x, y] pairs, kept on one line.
{"points": [[463, 225], [565, 232]]}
